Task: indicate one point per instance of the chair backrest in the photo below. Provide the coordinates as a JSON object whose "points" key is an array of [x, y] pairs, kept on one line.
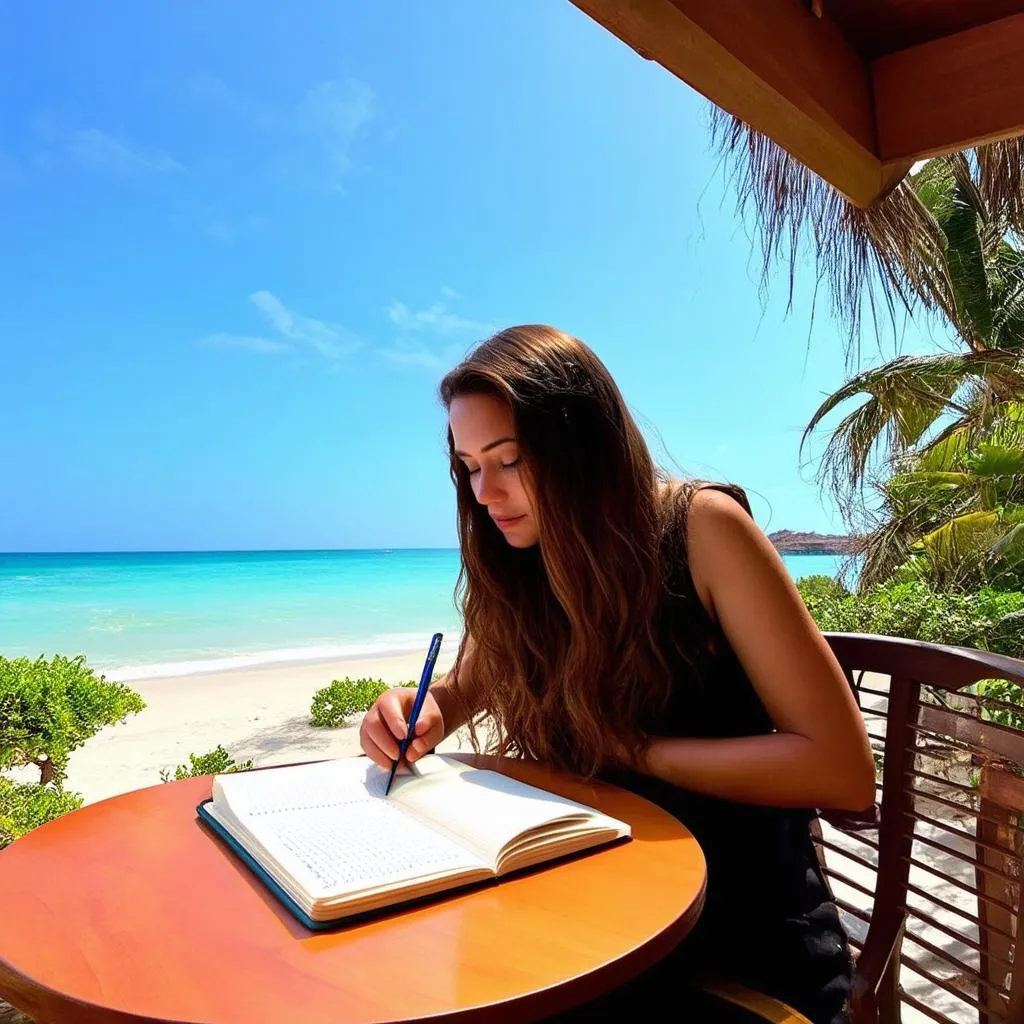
{"points": [[930, 886]]}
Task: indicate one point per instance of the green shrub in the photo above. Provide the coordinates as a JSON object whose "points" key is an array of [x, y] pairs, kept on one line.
{"points": [[50, 708], [989, 620], [986, 619], [822, 588], [217, 762], [26, 805], [1001, 690], [335, 704]]}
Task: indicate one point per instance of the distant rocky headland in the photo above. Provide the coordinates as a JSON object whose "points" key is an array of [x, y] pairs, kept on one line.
{"points": [[792, 542]]}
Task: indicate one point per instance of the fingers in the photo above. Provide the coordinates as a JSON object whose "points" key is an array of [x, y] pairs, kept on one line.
{"points": [[393, 713], [429, 730], [375, 754], [384, 726], [377, 732]]}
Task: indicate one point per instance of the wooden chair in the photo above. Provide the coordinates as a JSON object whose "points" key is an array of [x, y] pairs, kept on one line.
{"points": [[939, 857], [940, 863]]}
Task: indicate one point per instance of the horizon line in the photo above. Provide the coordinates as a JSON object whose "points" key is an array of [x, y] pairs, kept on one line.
{"points": [[222, 551]]}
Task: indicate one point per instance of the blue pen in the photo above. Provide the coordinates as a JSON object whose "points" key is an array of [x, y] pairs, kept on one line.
{"points": [[421, 692]]}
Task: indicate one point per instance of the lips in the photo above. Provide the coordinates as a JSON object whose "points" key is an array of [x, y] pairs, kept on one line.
{"points": [[504, 522]]}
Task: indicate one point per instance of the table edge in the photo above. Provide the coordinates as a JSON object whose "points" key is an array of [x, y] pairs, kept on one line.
{"points": [[45, 1002]]}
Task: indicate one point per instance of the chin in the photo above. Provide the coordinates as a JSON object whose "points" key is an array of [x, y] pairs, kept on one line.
{"points": [[524, 537], [521, 542]]}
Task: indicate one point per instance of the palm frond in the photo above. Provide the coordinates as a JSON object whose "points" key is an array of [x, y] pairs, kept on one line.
{"points": [[1001, 180], [949, 192], [885, 549], [961, 546], [904, 399], [888, 257], [1006, 274]]}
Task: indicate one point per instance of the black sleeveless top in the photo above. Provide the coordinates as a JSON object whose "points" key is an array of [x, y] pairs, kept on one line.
{"points": [[769, 921]]}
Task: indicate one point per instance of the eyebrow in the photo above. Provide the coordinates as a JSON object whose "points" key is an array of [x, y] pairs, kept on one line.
{"points": [[486, 448]]}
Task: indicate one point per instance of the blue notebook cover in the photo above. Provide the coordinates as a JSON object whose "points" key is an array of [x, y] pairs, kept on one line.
{"points": [[263, 875]]}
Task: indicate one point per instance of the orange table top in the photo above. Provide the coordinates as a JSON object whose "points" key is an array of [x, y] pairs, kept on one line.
{"points": [[131, 910]]}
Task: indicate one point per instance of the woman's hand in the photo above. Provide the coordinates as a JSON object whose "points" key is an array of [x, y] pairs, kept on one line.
{"points": [[384, 726]]}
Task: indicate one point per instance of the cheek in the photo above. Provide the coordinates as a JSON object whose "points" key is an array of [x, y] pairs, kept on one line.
{"points": [[525, 491]]}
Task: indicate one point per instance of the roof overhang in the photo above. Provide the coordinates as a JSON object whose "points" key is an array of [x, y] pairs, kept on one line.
{"points": [[832, 81]]}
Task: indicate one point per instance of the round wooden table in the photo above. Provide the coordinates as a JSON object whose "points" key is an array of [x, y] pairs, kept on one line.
{"points": [[131, 910]]}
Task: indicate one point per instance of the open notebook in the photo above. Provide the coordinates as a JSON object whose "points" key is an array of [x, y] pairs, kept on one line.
{"points": [[330, 845]]}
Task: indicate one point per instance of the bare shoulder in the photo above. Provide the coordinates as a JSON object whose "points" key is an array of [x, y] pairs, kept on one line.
{"points": [[710, 506], [727, 551], [715, 519]]}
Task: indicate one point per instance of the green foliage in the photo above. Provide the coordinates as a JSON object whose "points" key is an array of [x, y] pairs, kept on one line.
{"points": [[26, 805], [335, 704], [952, 513], [217, 762], [822, 594], [50, 708], [1009, 693], [987, 619]]}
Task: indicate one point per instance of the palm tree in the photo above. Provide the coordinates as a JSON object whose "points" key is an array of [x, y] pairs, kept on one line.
{"points": [[953, 513], [944, 243]]}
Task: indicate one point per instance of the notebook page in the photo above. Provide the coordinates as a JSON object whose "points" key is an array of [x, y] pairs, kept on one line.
{"points": [[330, 827], [488, 809], [344, 780]]}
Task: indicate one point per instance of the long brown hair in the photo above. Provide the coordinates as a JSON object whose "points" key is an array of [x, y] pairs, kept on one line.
{"points": [[571, 662]]}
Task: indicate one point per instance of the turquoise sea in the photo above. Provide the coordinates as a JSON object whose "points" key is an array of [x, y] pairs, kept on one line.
{"points": [[144, 615]]}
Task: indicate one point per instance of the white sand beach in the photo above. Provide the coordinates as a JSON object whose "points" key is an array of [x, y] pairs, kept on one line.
{"points": [[260, 713]]}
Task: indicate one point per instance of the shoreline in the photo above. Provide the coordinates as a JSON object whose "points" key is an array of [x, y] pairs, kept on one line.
{"points": [[260, 713], [283, 657]]}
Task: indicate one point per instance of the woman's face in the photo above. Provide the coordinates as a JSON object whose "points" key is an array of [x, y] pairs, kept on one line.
{"points": [[485, 441]]}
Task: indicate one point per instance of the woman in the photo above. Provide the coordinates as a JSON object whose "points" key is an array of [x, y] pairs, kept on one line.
{"points": [[625, 626]]}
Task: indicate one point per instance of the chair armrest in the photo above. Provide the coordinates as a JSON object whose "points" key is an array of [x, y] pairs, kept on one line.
{"points": [[765, 1007]]}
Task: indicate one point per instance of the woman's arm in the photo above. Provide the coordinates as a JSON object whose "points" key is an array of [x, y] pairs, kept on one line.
{"points": [[819, 755]]}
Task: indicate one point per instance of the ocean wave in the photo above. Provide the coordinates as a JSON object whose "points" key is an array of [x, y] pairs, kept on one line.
{"points": [[393, 643]]}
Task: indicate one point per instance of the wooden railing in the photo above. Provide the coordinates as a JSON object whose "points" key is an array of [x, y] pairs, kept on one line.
{"points": [[930, 880]]}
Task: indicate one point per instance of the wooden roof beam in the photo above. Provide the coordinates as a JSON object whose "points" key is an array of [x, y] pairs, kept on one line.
{"points": [[951, 93], [774, 65]]}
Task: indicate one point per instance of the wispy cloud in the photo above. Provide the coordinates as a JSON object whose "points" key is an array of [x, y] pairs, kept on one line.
{"points": [[216, 222], [94, 150], [265, 346], [295, 333], [334, 115], [437, 319], [415, 353], [312, 141], [330, 341], [97, 151], [218, 228]]}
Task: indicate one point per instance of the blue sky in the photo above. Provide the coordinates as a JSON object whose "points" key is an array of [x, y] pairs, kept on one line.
{"points": [[242, 241]]}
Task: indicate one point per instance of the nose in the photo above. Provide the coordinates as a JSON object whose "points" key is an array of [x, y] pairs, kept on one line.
{"points": [[488, 487]]}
